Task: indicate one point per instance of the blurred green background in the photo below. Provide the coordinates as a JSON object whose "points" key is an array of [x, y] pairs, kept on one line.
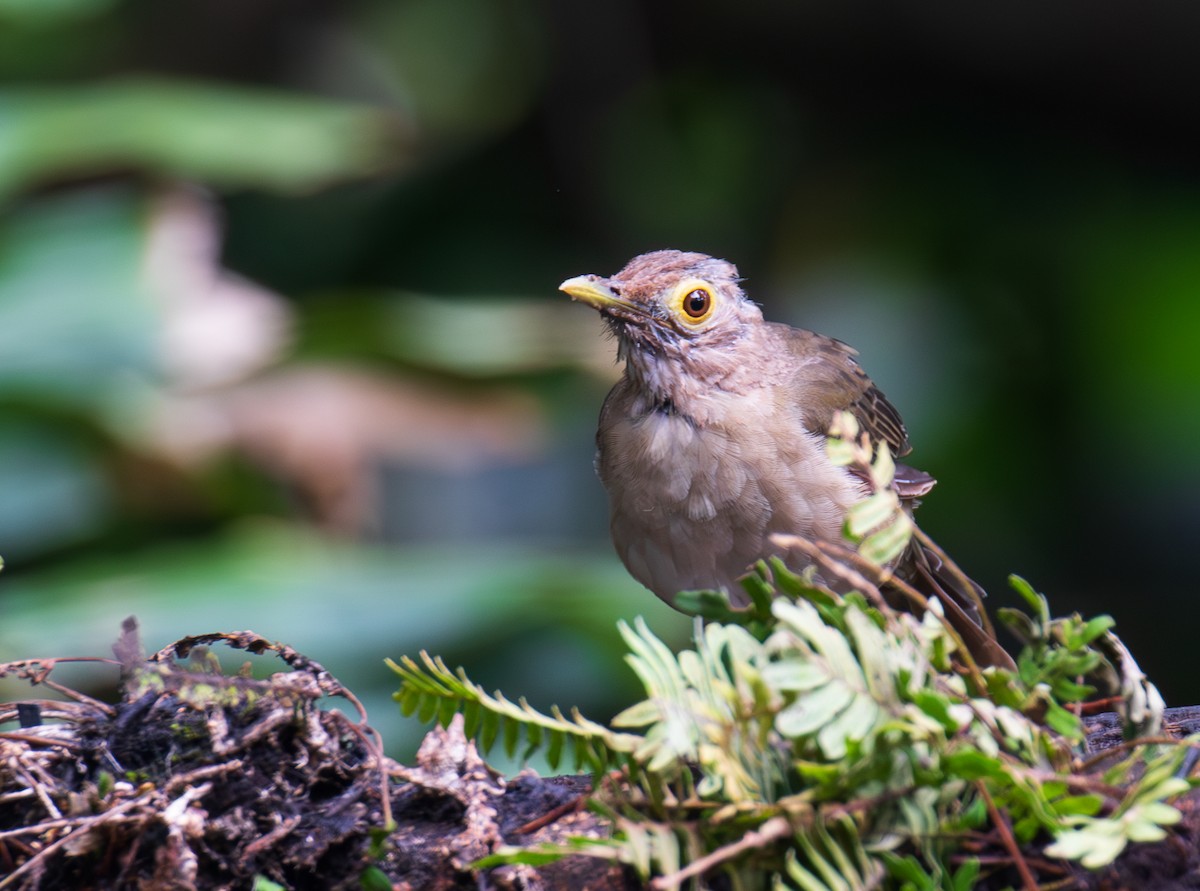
{"points": [[281, 347]]}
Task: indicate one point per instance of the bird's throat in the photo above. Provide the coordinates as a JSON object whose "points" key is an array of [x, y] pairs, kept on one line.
{"points": [[660, 384], [700, 386]]}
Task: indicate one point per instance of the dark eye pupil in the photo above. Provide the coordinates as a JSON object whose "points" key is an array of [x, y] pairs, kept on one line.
{"points": [[696, 303]]}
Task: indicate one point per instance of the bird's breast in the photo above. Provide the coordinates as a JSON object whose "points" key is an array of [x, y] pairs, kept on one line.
{"points": [[693, 505]]}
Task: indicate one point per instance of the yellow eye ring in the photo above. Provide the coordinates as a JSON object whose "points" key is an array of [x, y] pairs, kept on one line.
{"points": [[695, 302]]}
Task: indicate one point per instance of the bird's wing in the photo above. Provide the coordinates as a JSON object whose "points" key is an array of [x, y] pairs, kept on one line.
{"points": [[828, 379]]}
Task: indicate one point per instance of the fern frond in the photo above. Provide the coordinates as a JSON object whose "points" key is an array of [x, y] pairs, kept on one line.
{"points": [[830, 861], [431, 689], [648, 847], [696, 709]]}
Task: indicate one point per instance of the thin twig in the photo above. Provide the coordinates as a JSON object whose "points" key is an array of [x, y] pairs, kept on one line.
{"points": [[918, 598], [261, 843], [1100, 706], [39, 828], [1007, 839], [854, 579], [38, 784], [1003, 860], [373, 742], [834, 558], [573, 806], [1085, 783], [863, 804], [771, 831], [35, 739], [1088, 763], [81, 824], [37, 671], [201, 773]]}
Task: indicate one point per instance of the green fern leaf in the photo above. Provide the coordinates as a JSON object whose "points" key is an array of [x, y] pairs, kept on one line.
{"points": [[431, 688]]}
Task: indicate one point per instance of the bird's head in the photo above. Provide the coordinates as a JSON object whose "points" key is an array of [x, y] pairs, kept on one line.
{"points": [[670, 305]]}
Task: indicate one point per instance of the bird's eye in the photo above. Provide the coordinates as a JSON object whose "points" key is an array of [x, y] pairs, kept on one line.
{"points": [[697, 303], [693, 302]]}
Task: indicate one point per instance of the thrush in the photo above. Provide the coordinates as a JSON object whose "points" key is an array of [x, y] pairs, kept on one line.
{"points": [[714, 439]]}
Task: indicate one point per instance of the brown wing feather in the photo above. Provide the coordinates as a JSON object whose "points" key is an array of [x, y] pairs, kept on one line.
{"points": [[828, 380]]}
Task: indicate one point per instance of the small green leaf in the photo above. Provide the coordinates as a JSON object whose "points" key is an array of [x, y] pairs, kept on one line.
{"points": [[908, 869], [427, 708], [971, 764], [1159, 812], [533, 731], [639, 714], [813, 710], [761, 593], [1036, 601], [965, 876], [853, 724], [888, 543], [374, 879], [1063, 722], [871, 513], [472, 714], [840, 452], [804, 879], [798, 587], [712, 605], [1096, 845], [883, 468], [526, 856], [446, 710], [793, 675], [936, 706], [488, 730], [512, 732], [409, 698], [554, 748], [1144, 831], [1076, 805], [1066, 690], [1095, 627]]}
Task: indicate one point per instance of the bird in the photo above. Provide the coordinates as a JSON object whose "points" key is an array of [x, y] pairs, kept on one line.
{"points": [[713, 442]]}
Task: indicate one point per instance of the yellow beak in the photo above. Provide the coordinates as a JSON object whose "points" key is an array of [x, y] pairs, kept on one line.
{"points": [[588, 289]]}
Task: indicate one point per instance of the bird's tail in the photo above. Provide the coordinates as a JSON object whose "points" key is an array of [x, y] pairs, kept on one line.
{"points": [[927, 569]]}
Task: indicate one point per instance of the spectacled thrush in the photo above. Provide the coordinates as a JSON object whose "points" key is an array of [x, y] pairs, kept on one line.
{"points": [[714, 439]]}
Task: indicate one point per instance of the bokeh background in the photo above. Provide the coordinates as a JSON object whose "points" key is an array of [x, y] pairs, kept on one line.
{"points": [[281, 347]]}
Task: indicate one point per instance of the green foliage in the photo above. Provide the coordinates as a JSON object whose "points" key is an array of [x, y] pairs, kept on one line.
{"points": [[830, 857], [825, 741], [1057, 653], [1139, 817], [878, 524], [222, 135], [430, 689], [831, 742]]}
